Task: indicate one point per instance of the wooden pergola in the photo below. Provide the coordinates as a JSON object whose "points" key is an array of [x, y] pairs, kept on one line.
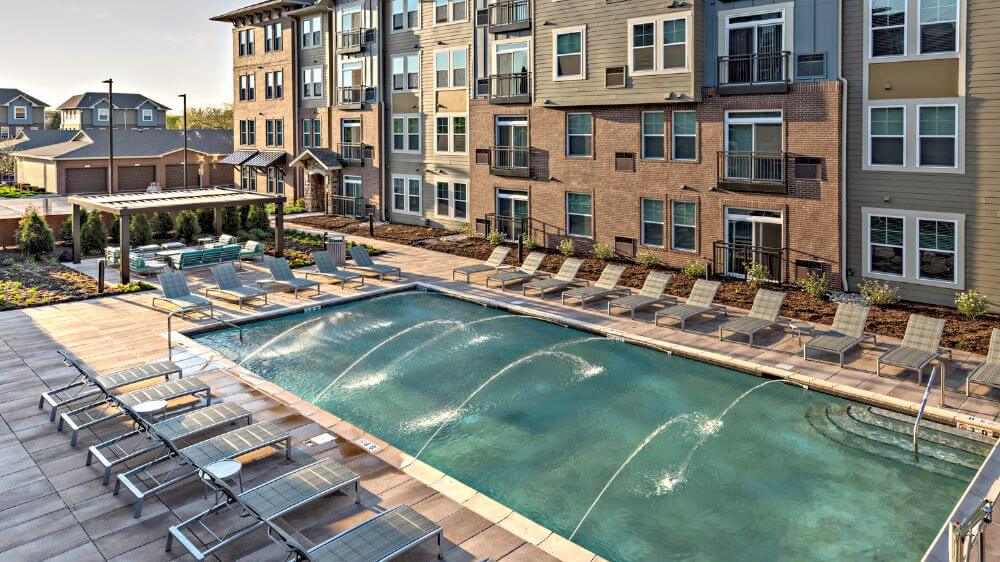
{"points": [[124, 205]]}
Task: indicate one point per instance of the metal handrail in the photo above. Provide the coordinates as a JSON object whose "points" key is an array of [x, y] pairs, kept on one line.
{"points": [[923, 404], [170, 331], [347, 95], [352, 38], [753, 166], [506, 12], [754, 68], [511, 85], [510, 157], [959, 533], [351, 151]]}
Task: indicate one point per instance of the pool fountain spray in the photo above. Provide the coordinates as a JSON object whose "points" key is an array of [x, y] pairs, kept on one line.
{"points": [[278, 337]]}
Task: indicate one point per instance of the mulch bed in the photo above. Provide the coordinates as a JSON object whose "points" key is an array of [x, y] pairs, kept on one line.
{"points": [[26, 283], [399, 233]]}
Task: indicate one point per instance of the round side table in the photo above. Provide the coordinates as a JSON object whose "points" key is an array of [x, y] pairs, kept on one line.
{"points": [[222, 471], [151, 408]]}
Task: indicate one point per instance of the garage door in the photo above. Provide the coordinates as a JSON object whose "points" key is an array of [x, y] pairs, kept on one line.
{"points": [[222, 174], [86, 180], [175, 175], [134, 178]]}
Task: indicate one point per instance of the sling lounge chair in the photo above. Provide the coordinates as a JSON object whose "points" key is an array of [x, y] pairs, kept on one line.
{"points": [[921, 345], [494, 263], [606, 285], [261, 505], [847, 331], [763, 314], [652, 292], [989, 372], [564, 278], [281, 274], [229, 284], [176, 292], [90, 384], [363, 263], [527, 272], [698, 302], [327, 268]]}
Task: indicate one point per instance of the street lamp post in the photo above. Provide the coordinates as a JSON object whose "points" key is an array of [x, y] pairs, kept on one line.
{"points": [[111, 135], [184, 119]]}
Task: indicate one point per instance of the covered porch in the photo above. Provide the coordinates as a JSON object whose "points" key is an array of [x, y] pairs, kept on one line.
{"points": [[326, 190]]}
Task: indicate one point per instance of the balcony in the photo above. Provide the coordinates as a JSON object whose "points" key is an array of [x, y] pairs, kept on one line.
{"points": [[347, 206], [351, 153], [731, 259], [351, 97], [756, 73], [509, 15], [510, 161], [353, 41], [753, 172], [504, 89]]}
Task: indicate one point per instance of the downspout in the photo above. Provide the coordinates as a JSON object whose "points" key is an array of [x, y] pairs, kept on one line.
{"points": [[843, 147], [383, 188]]}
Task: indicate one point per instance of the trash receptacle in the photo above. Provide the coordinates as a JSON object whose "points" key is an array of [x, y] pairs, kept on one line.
{"points": [[336, 244]]}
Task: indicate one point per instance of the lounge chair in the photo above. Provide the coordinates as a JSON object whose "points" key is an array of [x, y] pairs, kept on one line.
{"points": [[563, 279], [989, 372], [251, 250], [143, 266], [494, 263], [262, 505], [381, 537], [763, 314], [281, 274], [652, 292], [606, 285], [527, 272], [227, 283], [326, 267], [847, 331], [90, 384], [921, 345], [698, 302], [363, 263], [175, 291], [151, 478]]}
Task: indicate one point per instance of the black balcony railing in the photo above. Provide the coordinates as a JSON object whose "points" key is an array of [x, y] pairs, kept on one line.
{"points": [[514, 228], [732, 259], [352, 41], [510, 88], [351, 153], [509, 15], [754, 73], [347, 206], [350, 96], [512, 161], [763, 172]]}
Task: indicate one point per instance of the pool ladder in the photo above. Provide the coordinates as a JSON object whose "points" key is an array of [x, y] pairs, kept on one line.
{"points": [[170, 332], [936, 372]]}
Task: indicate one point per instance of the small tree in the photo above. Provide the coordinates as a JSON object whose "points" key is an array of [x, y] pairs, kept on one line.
{"points": [[66, 230], [8, 164], [114, 229], [140, 232], [163, 225], [231, 220], [93, 235], [187, 226], [206, 219], [257, 219], [34, 237]]}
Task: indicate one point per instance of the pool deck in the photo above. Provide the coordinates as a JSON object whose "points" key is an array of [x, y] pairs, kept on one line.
{"points": [[52, 506]]}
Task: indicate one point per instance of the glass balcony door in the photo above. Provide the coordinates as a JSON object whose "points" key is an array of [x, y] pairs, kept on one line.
{"points": [[753, 146], [753, 236], [755, 45], [512, 212], [511, 63], [512, 142]]}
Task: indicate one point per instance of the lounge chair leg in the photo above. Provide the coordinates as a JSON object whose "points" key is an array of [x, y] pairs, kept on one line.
{"points": [[966, 387], [439, 547], [72, 439], [841, 359], [138, 508], [107, 476]]}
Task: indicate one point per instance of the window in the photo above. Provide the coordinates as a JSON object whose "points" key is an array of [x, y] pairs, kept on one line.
{"points": [[449, 10], [312, 82], [450, 134], [406, 194], [272, 85], [938, 26], [683, 221], [684, 141], [643, 47], [102, 114], [272, 37], [569, 51], [20, 112], [886, 136], [405, 14], [937, 144], [658, 45], [246, 179], [579, 215], [886, 244], [936, 250], [312, 32], [246, 42], [888, 25], [406, 133], [317, 133], [248, 87], [674, 44], [274, 132], [352, 186], [579, 134], [652, 222], [406, 72], [652, 135], [274, 181], [307, 132], [248, 132], [147, 115], [451, 200], [450, 69], [4, 132]]}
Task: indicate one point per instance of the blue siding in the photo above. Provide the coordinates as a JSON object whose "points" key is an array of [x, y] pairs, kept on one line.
{"points": [[159, 117], [815, 31], [20, 102], [98, 122]]}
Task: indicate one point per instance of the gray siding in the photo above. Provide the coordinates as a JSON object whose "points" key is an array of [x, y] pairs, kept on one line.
{"points": [[35, 116]]}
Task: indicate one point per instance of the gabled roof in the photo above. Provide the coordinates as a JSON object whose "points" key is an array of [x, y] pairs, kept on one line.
{"points": [[326, 158], [26, 140], [8, 95], [123, 100], [262, 7], [133, 143]]}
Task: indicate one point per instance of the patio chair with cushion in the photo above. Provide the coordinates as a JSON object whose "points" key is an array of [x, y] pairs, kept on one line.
{"points": [[173, 245], [606, 285], [763, 314], [144, 266], [175, 291], [652, 292], [281, 274], [494, 263], [699, 301], [113, 255], [229, 284], [252, 250], [326, 267], [227, 240], [921, 345], [989, 372], [363, 263], [527, 272], [847, 331], [563, 279]]}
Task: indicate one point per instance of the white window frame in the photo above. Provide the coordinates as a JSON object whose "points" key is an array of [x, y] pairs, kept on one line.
{"points": [[309, 30], [451, 12], [674, 224], [663, 45], [147, 115], [921, 24], [868, 137], [406, 118], [308, 78], [355, 180], [317, 130], [674, 135], [274, 181], [954, 252], [307, 132], [591, 215], [406, 72], [407, 184], [4, 132], [105, 112], [451, 132], [451, 69], [658, 45], [568, 135], [528, 48], [871, 31], [953, 136], [643, 134], [450, 200], [643, 222], [23, 110], [582, 30], [405, 5], [868, 245]]}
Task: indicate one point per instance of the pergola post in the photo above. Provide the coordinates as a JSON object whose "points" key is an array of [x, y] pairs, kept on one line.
{"points": [[124, 263], [76, 233], [218, 221], [279, 229]]}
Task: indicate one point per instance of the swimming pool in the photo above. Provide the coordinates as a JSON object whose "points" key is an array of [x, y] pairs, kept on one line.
{"points": [[634, 453]]}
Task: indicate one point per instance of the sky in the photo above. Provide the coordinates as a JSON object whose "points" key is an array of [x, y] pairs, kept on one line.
{"points": [[53, 49]]}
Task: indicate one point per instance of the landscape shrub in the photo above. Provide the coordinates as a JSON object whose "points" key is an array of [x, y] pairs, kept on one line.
{"points": [[93, 235], [206, 219], [529, 242], [696, 268], [815, 284], [603, 251], [231, 221], [646, 258], [496, 237], [163, 225], [187, 226], [756, 274], [566, 247], [878, 293], [971, 304], [467, 229], [256, 219], [140, 231], [114, 229], [34, 237]]}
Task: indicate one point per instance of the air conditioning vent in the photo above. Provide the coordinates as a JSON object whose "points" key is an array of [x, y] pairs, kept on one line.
{"points": [[482, 156], [625, 246], [624, 161], [808, 168], [614, 77], [811, 66], [483, 17], [483, 87]]}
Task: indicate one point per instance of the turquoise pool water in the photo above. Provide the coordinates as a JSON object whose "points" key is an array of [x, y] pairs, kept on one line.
{"points": [[551, 414]]}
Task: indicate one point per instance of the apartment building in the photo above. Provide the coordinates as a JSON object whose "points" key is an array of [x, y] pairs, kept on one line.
{"points": [[923, 195], [19, 112], [91, 110], [690, 130]]}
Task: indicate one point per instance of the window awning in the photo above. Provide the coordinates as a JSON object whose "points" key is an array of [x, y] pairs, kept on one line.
{"points": [[266, 159], [239, 157], [324, 157]]}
